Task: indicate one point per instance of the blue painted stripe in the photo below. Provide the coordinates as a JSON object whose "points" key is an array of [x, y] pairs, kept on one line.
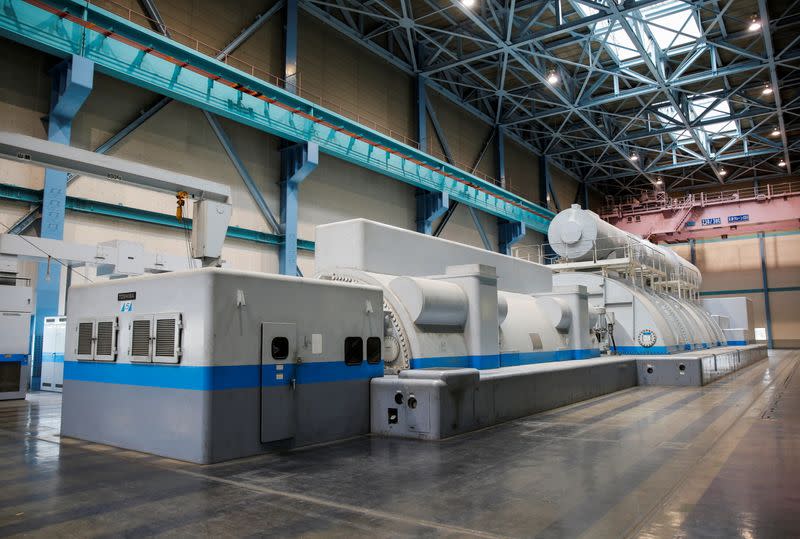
{"points": [[52, 358], [494, 361], [737, 343], [22, 359], [653, 350], [211, 378]]}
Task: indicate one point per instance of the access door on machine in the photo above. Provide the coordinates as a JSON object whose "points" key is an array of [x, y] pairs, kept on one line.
{"points": [[278, 369]]}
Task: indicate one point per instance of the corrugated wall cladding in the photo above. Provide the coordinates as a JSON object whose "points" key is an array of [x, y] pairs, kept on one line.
{"points": [[734, 265]]}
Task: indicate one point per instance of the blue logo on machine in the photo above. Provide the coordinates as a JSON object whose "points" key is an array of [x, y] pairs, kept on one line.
{"points": [[126, 307], [711, 221], [738, 218], [647, 338]]}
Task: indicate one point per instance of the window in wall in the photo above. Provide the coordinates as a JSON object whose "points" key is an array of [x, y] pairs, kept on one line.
{"points": [[353, 350], [374, 350], [761, 334]]}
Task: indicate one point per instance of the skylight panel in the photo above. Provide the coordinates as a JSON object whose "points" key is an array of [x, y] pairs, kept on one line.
{"points": [[697, 107], [680, 136], [674, 29], [621, 44], [720, 110], [672, 26]]}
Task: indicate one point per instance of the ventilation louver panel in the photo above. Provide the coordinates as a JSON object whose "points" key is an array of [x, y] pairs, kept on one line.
{"points": [[105, 347], [168, 338], [85, 340], [105, 338], [165, 337], [140, 339]]}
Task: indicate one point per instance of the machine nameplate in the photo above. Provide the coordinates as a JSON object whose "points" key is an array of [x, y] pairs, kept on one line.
{"points": [[126, 296], [647, 338]]}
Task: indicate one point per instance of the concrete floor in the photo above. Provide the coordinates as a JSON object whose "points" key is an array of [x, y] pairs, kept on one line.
{"points": [[719, 461]]}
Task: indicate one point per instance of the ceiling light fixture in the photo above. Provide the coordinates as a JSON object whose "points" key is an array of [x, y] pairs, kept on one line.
{"points": [[634, 157], [781, 163], [468, 3], [755, 24], [552, 77], [722, 172], [767, 89], [776, 132], [659, 181]]}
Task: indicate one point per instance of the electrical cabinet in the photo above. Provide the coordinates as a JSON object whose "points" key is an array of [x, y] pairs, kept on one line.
{"points": [[55, 332]]}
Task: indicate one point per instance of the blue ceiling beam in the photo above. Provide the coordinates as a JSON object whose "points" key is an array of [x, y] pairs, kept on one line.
{"points": [[247, 99], [15, 193], [766, 31]]}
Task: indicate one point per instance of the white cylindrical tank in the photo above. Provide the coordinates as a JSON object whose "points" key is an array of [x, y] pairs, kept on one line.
{"points": [[578, 235]]}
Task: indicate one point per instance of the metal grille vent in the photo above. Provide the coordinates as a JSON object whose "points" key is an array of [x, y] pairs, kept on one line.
{"points": [[105, 339], [140, 338], [165, 337], [85, 338]]}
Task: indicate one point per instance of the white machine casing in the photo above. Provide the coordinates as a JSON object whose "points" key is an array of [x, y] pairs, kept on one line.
{"points": [[197, 367], [450, 305], [739, 312]]}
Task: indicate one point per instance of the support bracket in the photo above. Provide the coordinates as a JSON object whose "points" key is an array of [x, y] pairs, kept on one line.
{"points": [[509, 233], [430, 206], [297, 162]]}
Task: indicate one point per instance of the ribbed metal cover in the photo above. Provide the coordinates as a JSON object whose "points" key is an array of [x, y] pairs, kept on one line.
{"points": [[165, 337], [140, 338], [85, 338], [105, 338]]}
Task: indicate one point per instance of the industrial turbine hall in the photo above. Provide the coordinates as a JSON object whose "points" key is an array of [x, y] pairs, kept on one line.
{"points": [[400, 268]]}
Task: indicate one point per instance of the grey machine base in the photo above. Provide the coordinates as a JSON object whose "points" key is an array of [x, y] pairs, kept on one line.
{"points": [[693, 369], [207, 426], [433, 404]]}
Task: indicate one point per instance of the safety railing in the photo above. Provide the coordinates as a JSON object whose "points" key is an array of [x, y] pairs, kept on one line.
{"points": [[602, 250], [651, 203], [644, 264]]}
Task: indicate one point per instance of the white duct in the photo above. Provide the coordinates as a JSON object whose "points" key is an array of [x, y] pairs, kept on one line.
{"points": [[579, 235], [557, 311], [430, 302]]}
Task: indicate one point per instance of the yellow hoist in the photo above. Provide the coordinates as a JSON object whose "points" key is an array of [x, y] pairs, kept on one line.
{"points": [[181, 196]]}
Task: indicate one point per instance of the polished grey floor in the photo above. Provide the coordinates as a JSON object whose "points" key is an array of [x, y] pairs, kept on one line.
{"points": [[719, 461]]}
